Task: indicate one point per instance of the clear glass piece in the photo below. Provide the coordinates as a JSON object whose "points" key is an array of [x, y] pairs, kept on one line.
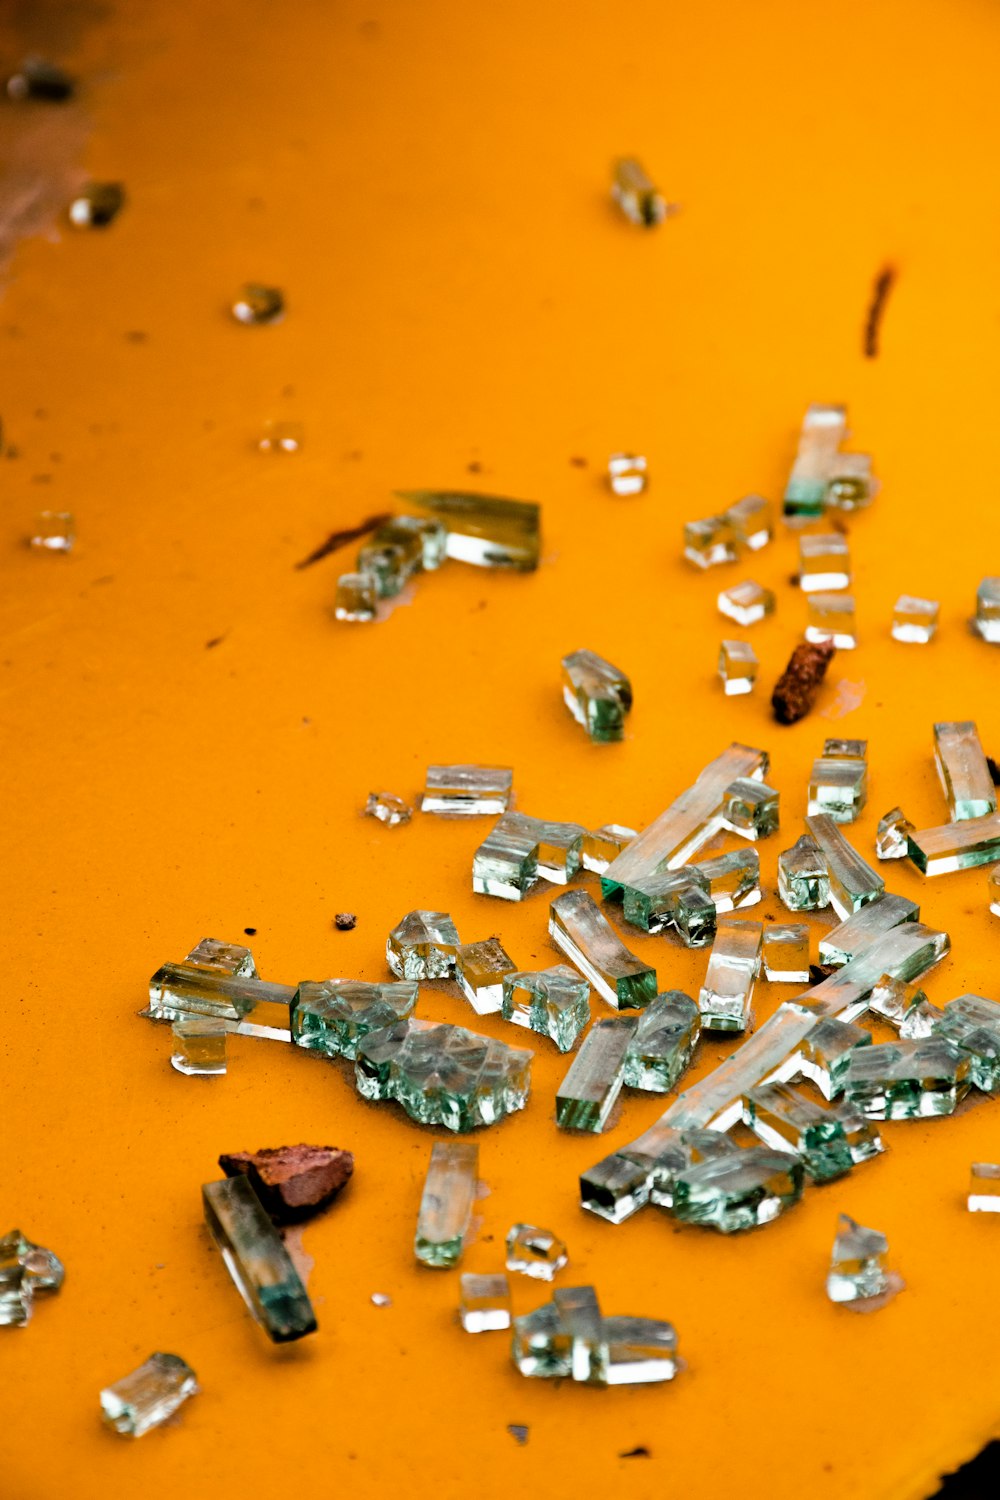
{"points": [[25, 1269], [423, 945], [554, 1002], [579, 929], [633, 191], [281, 437], [641, 1351], [788, 1120], [710, 541], [824, 428], [627, 473], [786, 953], [446, 1204], [993, 891], [987, 621], [589, 1091], [597, 694], [824, 563], [733, 879], [824, 1054], [485, 1303], [467, 791], [891, 834], [803, 876], [838, 784], [54, 531], [832, 618], [199, 1046], [602, 847], [223, 958], [733, 966], [851, 485], [488, 531], [387, 808], [907, 1080], [857, 1268], [663, 1043], [506, 862], [257, 1260], [962, 769], [915, 620], [752, 521], [480, 970], [332, 1016], [955, 846], [542, 1346], [250, 1006], [738, 666], [148, 1396], [863, 927], [751, 809], [739, 1190], [672, 898], [356, 599], [535, 1252], [746, 603], [97, 206], [580, 1315], [984, 1188], [257, 303], [853, 883]]}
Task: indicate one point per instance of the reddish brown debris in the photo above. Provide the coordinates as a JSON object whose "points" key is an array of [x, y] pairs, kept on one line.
{"points": [[796, 688], [345, 921], [292, 1182]]}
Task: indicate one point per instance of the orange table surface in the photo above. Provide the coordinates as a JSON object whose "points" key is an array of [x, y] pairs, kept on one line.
{"points": [[190, 735]]}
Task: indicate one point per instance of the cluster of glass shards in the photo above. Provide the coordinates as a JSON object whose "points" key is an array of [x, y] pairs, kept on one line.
{"points": [[597, 694], [972, 1024], [520, 851], [648, 1052], [688, 900], [149, 1395], [822, 476], [443, 1075], [333, 1016], [219, 980], [569, 1338], [973, 836], [747, 525], [838, 784], [488, 531], [25, 1269], [633, 191]]}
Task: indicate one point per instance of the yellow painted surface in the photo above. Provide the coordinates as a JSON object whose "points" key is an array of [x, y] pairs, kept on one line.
{"points": [[428, 183]]}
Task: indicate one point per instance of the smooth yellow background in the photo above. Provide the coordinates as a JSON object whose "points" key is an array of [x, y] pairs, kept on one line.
{"points": [[428, 182]]}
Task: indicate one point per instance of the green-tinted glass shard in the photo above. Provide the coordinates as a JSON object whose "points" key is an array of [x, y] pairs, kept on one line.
{"points": [[750, 808], [861, 1133], [25, 1269], [506, 862], [257, 1260], [733, 879], [487, 530], [535, 1252], [641, 1351], [655, 902], [542, 1346], [663, 1043], [786, 953], [467, 791], [965, 775], [906, 952], [857, 1267], [597, 694], [693, 818], [972, 1023], [645, 1171], [787, 1120], [446, 1203], [423, 945], [583, 933], [907, 1080], [223, 958], [253, 1006], [733, 966], [587, 1094], [852, 936], [825, 1053], [555, 1002], [803, 876], [852, 881], [480, 970], [580, 1314], [823, 430], [838, 785], [443, 1075], [332, 1015], [602, 847], [149, 1395], [738, 1191], [955, 846]]}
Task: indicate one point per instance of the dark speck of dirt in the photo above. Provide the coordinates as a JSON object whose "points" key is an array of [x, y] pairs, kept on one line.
{"points": [[794, 580], [216, 640], [840, 525], [519, 1432], [475, 467], [41, 478], [578, 462], [135, 336], [636, 1453], [12, 452], [250, 931]]}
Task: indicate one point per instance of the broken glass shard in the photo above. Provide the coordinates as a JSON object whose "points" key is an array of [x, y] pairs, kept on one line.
{"points": [[663, 1043], [788, 1120], [542, 1346], [832, 618], [199, 1046], [859, 931], [389, 564], [972, 1023], [446, 1204], [25, 1269], [486, 530], [987, 621], [907, 1080], [97, 206], [356, 600], [224, 958], [597, 694], [388, 809], [823, 430], [257, 303], [148, 1396], [332, 1015], [672, 898], [535, 1252], [580, 1315], [581, 931], [993, 890], [923, 1019], [281, 437], [892, 998], [915, 620], [627, 473], [853, 883], [588, 1093], [506, 862], [752, 520], [54, 531], [640, 1351], [645, 1170], [257, 1260], [560, 850], [824, 563], [733, 965], [737, 667], [851, 486], [692, 819], [905, 952], [554, 1002], [746, 603], [750, 808], [961, 766], [984, 1188], [838, 784], [480, 970], [38, 79], [786, 953], [252, 1007], [633, 191], [824, 1054], [710, 542], [733, 879], [423, 945], [467, 791], [861, 1134], [443, 1075], [857, 1269], [423, 541], [891, 835], [955, 846], [739, 1190], [485, 1303], [604, 845]]}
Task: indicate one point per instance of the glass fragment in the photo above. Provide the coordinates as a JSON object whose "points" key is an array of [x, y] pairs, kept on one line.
{"points": [[824, 428], [148, 1396], [250, 1006], [851, 485], [388, 809], [446, 1203], [733, 879], [332, 1016], [257, 1260], [604, 845], [281, 437], [832, 618], [423, 541], [915, 620], [640, 1351], [987, 621], [955, 846], [581, 931], [907, 1080], [580, 1315], [542, 1346], [993, 890], [97, 206], [710, 541], [963, 772], [972, 1023], [738, 666], [752, 521], [733, 966], [852, 881], [984, 1188], [663, 1043], [443, 1075], [356, 600], [824, 1054], [535, 1252], [54, 531], [555, 1002], [746, 603], [824, 563], [480, 970], [423, 945], [25, 1269], [257, 303], [488, 531], [738, 1191], [838, 783], [751, 809], [892, 999], [633, 191], [673, 898], [224, 958], [627, 473], [857, 1268], [788, 1120], [485, 1303], [891, 834], [786, 953], [506, 862], [389, 564], [597, 694], [199, 1046], [467, 791], [860, 930], [589, 1091]]}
